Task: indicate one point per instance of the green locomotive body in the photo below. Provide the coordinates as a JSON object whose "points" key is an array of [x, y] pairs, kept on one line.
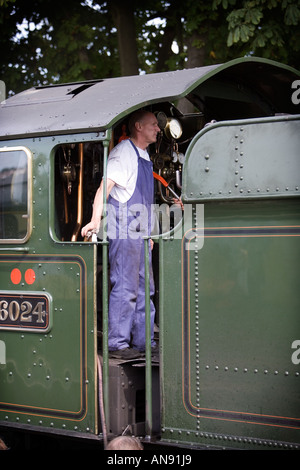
{"points": [[226, 268]]}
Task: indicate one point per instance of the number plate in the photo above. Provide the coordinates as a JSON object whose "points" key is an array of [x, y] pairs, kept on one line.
{"points": [[24, 311]]}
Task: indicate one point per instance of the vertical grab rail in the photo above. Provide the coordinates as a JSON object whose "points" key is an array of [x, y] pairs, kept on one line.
{"points": [[105, 297], [148, 391]]}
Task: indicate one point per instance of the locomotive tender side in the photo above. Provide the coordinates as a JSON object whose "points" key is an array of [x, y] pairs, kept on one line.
{"points": [[226, 268]]}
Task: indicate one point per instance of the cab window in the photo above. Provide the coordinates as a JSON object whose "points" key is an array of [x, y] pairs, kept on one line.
{"points": [[14, 194]]}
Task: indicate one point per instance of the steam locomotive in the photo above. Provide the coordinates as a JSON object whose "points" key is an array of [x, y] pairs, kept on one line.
{"points": [[226, 267]]}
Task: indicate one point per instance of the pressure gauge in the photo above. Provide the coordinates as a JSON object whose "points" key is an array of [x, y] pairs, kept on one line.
{"points": [[173, 128]]}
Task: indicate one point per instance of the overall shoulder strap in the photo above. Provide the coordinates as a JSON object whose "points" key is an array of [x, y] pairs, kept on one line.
{"points": [[136, 150]]}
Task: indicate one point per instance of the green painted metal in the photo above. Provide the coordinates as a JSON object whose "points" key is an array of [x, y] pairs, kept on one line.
{"points": [[236, 301], [148, 381], [244, 159], [228, 272], [232, 318], [49, 379], [105, 297]]}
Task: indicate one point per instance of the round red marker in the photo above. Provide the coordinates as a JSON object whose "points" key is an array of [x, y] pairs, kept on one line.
{"points": [[30, 276], [16, 276]]}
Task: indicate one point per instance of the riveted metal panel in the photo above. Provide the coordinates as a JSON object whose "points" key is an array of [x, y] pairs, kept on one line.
{"points": [[236, 383], [48, 377]]}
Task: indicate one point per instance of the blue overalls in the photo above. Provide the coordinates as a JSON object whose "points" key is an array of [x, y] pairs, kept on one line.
{"points": [[126, 326]]}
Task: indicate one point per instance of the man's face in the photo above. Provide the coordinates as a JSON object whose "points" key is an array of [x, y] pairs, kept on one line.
{"points": [[149, 128]]}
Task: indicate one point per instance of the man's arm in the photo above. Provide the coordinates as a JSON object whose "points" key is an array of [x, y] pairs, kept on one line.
{"points": [[94, 225]]}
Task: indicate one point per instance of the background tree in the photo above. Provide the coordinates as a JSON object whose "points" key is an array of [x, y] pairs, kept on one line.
{"points": [[50, 41], [124, 20], [266, 28]]}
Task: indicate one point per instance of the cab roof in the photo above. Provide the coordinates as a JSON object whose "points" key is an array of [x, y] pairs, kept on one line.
{"points": [[97, 105]]}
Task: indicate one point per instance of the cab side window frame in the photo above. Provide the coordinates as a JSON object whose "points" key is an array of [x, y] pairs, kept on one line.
{"points": [[14, 220]]}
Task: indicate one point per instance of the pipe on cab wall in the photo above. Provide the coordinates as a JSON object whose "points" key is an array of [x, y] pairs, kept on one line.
{"points": [[79, 195]]}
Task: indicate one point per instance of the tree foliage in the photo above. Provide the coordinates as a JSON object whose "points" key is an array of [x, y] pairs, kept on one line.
{"points": [[269, 28], [50, 41]]}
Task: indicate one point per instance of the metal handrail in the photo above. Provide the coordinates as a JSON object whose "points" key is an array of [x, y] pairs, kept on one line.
{"points": [[105, 298], [148, 384]]}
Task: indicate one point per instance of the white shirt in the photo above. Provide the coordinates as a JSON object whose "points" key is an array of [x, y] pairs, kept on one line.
{"points": [[122, 168]]}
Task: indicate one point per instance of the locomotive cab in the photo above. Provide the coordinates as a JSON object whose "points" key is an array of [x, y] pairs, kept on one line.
{"points": [[228, 146]]}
